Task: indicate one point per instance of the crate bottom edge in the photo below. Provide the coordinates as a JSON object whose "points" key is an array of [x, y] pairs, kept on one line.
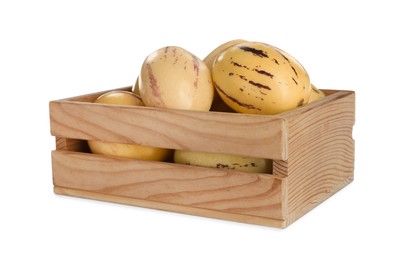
{"points": [[216, 214], [314, 204]]}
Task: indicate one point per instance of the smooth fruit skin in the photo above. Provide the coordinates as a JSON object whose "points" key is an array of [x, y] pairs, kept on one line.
{"points": [[315, 94], [172, 77], [126, 150], [257, 78], [218, 104], [210, 59], [223, 161], [135, 87], [120, 97], [129, 151]]}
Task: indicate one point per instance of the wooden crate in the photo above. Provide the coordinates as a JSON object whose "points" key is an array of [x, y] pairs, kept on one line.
{"points": [[311, 147]]}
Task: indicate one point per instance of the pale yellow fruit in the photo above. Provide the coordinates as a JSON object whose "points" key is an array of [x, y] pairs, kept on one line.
{"points": [[223, 161], [120, 97], [172, 77], [135, 87], [125, 150], [315, 94], [257, 78], [129, 151], [210, 59], [218, 104]]}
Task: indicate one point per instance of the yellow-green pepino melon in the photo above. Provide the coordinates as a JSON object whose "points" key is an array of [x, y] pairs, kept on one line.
{"points": [[257, 78]]}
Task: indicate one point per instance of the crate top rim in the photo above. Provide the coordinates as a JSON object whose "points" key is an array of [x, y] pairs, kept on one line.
{"points": [[331, 95]]}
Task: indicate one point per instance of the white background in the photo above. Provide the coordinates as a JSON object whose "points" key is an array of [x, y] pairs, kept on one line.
{"points": [[54, 49]]}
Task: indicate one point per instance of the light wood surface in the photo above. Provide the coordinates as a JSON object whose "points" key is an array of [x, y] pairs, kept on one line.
{"points": [[173, 208], [312, 148], [228, 133], [69, 144], [230, 191], [321, 152]]}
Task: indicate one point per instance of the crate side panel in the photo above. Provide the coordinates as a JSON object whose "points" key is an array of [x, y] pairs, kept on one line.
{"points": [[263, 221], [255, 136], [321, 155], [236, 192]]}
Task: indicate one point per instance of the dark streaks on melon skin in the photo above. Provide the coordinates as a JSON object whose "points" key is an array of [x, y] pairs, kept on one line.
{"points": [[196, 69], [315, 90], [153, 84], [301, 103], [257, 52], [223, 166], [242, 77], [236, 64], [276, 61], [239, 65], [295, 81], [196, 64], [266, 73], [284, 56], [234, 166], [259, 85], [294, 70], [165, 53], [248, 106], [152, 81]]}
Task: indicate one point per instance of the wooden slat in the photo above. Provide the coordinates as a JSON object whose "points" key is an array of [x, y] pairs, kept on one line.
{"points": [[173, 208], [196, 187], [231, 133], [321, 152]]}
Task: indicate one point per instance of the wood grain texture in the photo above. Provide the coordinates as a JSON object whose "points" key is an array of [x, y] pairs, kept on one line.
{"points": [[312, 148], [321, 152], [173, 208], [68, 144], [229, 133], [197, 187]]}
